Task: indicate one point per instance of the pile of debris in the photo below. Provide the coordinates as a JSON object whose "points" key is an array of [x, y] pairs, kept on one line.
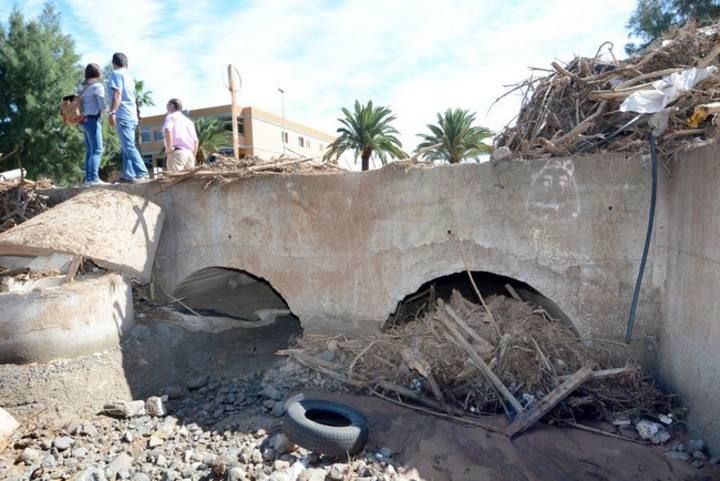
{"points": [[505, 355], [20, 201], [593, 104], [227, 169]]}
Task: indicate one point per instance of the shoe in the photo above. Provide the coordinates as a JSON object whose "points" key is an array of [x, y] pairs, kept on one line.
{"points": [[123, 180], [94, 183], [141, 180]]}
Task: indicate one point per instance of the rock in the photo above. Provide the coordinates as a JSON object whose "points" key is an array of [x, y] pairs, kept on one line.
{"points": [[699, 455], [49, 461], [281, 444], [681, 455], [236, 474], [714, 460], [62, 443], [46, 444], [269, 454], [246, 455], [197, 381], [123, 462], [166, 429], [654, 432], [155, 441], [698, 464], [168, 475], [313, 474], [90, 474], [260, 433], [696, 445], [278, 409], [124, 409], [269, 404], [337, 472], [332, 345], [89, 429], [272, 392], [279, 465], [279, 476], [327, 356], [29, 456], [140, 476], [128, 437], [79, 453], [385, 452], [154, 407]]}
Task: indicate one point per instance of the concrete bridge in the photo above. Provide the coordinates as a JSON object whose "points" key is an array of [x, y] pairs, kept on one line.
{"points": [[343, 249]]}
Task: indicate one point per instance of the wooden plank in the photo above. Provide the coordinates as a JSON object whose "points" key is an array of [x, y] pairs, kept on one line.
{"points": [[606, 373], [528, 419], [513, 293], [487, 372], [484, 343]]}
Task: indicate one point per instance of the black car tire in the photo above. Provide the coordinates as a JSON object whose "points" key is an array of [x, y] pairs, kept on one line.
{"points": [[326, 427]]}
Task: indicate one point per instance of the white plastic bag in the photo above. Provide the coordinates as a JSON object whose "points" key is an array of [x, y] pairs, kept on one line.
{"points": [[665, 91]]}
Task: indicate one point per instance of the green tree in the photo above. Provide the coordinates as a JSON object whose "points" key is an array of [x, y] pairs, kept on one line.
{"points": [[652, 18], [38, 67], [454, 138], [212, 134], [367, 131]]}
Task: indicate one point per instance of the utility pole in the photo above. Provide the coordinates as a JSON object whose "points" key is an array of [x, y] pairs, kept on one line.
{"points": [[233, 86], [284, 134]]}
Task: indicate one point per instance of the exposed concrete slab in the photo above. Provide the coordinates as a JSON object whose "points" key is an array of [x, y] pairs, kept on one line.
{"points": [[343, 249], [76, 318], [53, 262], [118, 231], [689, 359]]}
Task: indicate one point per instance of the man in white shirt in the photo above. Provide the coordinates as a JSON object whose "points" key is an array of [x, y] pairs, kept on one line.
{"points": [[181, 142]]}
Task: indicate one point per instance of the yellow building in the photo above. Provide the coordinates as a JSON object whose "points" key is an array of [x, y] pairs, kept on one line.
{"points": [[261, 134]]}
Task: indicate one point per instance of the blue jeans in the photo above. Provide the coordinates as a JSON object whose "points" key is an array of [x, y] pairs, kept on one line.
{"points": [[92, 132], [132, 163]]}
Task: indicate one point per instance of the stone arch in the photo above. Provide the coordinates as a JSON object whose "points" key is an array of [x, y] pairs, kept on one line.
{"points": [[488, 283]]}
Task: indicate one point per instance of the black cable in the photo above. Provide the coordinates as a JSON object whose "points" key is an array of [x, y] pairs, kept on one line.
{"points": [[651, 219]]}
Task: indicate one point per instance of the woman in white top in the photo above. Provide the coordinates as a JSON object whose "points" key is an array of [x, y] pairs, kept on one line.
{"points": [[92, 95]]}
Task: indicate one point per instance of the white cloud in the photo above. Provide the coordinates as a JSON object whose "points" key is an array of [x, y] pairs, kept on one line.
{"points": [[419, 57]]}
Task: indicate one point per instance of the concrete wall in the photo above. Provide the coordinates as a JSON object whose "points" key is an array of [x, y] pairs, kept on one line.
{"points": [[689, 358], [344, 249], [76, 318]]}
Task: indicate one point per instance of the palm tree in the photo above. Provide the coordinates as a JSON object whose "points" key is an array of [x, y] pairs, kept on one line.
{"points": [[143, 98], [367, 131], [211, 133], [454, 138]]}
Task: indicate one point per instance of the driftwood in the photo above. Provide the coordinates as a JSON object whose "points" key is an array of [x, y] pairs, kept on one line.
{"points": [[487, 372], [528, 419]]}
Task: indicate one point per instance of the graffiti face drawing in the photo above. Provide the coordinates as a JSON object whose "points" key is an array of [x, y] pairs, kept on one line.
{"points": [[553, 192]]}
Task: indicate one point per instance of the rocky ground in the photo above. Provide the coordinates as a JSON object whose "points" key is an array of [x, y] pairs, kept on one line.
{"points": [[224, 396]]}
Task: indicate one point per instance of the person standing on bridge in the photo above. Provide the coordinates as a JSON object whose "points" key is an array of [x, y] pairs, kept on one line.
{"points": [[123, 116], [181, 142]]}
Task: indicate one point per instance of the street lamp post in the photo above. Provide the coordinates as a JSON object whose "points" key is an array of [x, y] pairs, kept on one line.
{"points": [[282, 100]]}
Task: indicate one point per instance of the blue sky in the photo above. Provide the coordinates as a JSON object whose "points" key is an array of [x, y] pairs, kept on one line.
{"points": [[417, 56]]}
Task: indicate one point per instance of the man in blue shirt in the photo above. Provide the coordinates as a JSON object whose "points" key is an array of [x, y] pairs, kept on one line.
{"points": [[123, 116]]}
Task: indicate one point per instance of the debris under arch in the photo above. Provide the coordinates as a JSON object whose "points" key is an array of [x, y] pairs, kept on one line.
{"points": [[421, 363]]}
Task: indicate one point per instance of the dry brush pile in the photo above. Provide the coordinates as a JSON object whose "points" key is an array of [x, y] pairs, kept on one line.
{"points": [[20, 201], [419, 361], [575, 108]]}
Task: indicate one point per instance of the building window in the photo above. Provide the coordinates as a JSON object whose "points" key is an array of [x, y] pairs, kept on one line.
{"points": [[158, 135], [145, 135], [284, 137], [227, 123], [301, 141]]}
